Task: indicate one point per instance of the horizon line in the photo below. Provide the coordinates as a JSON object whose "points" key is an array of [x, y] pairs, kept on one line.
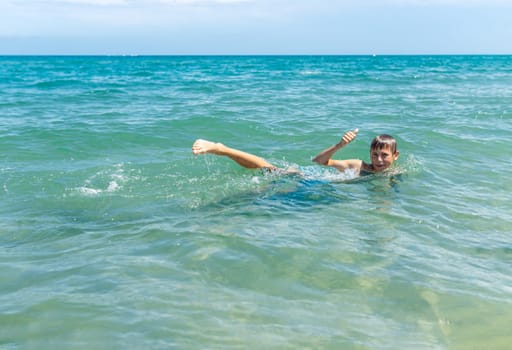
{"points": [[245, 55]]}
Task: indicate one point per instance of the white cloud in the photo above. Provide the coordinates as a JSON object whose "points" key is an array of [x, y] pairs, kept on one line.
{"points": [[95, 2], [204, 2], [20, 3], [446, 2], [275, 3], [136, 3]]}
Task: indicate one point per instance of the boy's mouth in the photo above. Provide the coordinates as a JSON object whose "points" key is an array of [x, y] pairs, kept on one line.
{"points": [[379, 167]]}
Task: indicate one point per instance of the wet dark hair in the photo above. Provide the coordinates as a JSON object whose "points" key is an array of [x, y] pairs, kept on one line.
{"points": [[382, 141]]}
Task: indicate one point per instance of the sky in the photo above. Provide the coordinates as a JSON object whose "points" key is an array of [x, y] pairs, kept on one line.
{"points": [[255, 27]]}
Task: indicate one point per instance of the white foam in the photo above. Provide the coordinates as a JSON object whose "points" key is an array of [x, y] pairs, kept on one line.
{"points": [[89, 191], [113, 186], [96, 183], [329, 174], [310, 72]]}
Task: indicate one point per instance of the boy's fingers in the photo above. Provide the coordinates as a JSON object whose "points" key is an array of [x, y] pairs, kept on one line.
{"points": [[350, 135]]}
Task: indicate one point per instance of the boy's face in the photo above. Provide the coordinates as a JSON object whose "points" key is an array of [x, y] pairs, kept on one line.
{"points": [[383, 158]]}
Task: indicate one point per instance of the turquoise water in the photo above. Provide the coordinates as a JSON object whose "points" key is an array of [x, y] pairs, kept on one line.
{"points": [[114, 236]]}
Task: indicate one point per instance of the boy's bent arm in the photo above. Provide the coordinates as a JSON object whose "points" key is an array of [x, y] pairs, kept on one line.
{"points": [[343, 165], [324, 157]]}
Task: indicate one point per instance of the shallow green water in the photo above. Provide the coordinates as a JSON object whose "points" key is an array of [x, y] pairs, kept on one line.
{"points": [[113, 235]]}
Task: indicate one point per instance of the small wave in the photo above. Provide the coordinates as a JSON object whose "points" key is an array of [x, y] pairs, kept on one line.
{"points": [[329, 174], [319, 173], [98, 92], [56, 83], [411, 165], [104, 181], [144, 73], [310, 72], [113, 186], [89, 191]]}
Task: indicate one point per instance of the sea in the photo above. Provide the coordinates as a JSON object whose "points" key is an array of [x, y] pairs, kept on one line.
{"points": [[113, 235]]}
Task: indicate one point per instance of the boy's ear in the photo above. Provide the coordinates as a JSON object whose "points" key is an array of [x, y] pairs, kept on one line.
{"points": [[397, 153]]}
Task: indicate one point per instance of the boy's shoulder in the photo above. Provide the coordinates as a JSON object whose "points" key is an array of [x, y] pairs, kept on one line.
{"points": [[366, 169]]}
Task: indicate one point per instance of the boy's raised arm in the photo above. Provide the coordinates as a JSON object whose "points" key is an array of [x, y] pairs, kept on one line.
{"points": [[325, 156]]}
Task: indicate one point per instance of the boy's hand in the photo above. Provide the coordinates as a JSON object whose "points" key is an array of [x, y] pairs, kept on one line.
{"points": [[349, 137]]}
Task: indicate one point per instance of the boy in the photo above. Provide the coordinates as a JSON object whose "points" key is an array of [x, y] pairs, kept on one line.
{"points": [[383, 153]]}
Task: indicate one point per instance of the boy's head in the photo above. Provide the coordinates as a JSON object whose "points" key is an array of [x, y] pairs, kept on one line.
{"points": [[383, 152]]}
